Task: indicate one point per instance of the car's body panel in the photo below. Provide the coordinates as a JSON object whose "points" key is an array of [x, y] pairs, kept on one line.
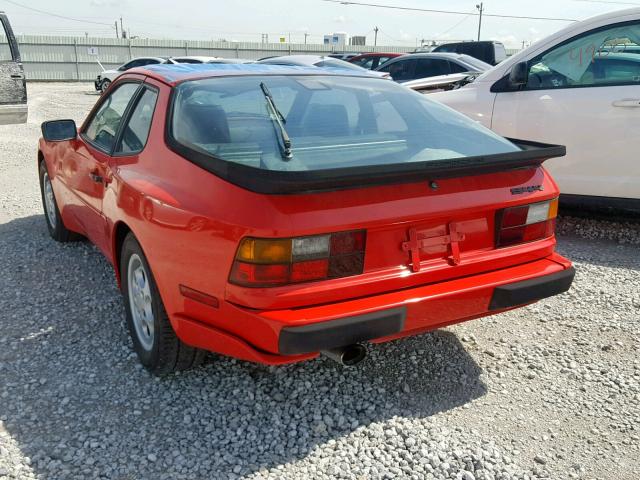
{"points": [[190, 222], [590, 120], [13, 87]]}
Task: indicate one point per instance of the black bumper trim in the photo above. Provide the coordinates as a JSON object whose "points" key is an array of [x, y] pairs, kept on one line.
{"points": [[342, 332], [527, 291]]}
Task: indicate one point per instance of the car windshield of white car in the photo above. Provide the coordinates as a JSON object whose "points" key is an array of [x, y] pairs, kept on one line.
{"points": [[332, 122]]}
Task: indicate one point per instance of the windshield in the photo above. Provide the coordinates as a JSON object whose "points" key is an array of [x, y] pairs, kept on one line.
{"points": [[332, 122]]}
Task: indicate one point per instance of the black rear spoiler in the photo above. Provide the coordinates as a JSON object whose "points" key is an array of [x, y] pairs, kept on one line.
{"points": [[273, 182]]}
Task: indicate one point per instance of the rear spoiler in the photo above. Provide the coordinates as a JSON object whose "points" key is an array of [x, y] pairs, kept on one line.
{"points": [[273, 182]]}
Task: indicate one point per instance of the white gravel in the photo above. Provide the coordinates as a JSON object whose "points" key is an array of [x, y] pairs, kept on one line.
{"points": [[549, 391]]}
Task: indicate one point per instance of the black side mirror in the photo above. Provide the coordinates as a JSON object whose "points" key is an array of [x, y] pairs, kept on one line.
{"points": [[519, 74], [59, 130]]}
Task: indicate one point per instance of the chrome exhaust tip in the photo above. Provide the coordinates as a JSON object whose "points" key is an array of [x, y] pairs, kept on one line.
{"points": [[348, 356]]}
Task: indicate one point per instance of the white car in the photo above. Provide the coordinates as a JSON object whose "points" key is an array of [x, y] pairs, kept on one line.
{"points": [[579, 87], [194, 59], [105, 78]]}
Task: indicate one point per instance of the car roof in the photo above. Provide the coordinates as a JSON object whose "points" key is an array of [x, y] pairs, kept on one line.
{"points": [[380, 54], [297, 59], [202, 58], [173, 74], [447, 55]]}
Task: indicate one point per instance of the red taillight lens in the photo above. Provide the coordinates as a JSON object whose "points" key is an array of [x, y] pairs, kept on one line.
{"points": [[271, 262], [526, 223]]}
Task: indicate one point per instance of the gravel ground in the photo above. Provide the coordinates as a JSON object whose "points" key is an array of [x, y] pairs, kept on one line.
{"points": [[548, 391]]}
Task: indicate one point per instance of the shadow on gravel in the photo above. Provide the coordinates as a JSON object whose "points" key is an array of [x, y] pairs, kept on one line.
{"points": [[75, 400], [600, 252]]}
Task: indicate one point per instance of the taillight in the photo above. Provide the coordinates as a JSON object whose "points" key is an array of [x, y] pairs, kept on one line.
{"points": [[526, 223], [263, 262]]}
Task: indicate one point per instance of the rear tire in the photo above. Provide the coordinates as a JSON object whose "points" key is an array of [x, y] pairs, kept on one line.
{"points": [[52, 217], [154, 340]]}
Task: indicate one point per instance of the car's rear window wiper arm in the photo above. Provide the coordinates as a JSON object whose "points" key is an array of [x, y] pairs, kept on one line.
{"points": [[279, 121]]}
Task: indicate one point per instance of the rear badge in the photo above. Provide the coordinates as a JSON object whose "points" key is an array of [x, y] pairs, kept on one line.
{"points": [[528, 189]]}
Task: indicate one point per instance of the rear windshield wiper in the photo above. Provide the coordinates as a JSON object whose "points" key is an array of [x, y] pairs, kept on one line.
{"points": [[279, 121]]}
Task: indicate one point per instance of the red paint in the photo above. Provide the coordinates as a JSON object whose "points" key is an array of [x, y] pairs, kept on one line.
{"points": [[190, 223]]}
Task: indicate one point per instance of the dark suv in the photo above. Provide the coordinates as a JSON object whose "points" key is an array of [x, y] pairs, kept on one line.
{"points": [[490, 52], [13, 86]]}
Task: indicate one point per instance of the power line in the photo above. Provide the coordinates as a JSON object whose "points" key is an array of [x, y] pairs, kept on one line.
{"points": [[55, 14], [455, 26], [448, 12], [607, 2]]}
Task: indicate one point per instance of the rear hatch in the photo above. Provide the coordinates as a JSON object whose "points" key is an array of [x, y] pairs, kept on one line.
{"points": [[430, 230]]}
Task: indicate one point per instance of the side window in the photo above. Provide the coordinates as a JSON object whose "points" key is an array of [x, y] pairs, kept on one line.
{"points": [[601, 57], [147, 61], [136, 131], [103, 127], [365, 62], [401, 70], [5, 48], [430, 67]]}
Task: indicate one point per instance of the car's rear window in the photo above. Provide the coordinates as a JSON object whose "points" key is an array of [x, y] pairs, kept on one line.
{"points": [[331, 121]]}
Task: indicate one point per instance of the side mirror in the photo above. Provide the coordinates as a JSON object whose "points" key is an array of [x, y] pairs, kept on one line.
{"points": [[59, 130], [519, 74]]}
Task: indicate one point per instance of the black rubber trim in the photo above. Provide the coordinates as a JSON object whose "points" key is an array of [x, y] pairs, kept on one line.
{"points": [[275, 182], [527, 291], [342, 332]]}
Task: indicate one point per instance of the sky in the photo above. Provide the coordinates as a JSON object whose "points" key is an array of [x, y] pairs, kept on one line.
{"points": [[247, 20]]}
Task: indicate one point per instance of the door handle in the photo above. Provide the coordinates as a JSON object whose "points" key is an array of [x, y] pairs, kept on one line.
{"points": [[98, 177], [628, 102], [17, 76]]}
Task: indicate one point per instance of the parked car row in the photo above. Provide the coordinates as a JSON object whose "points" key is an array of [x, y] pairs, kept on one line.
{"points": [[363, 211]]}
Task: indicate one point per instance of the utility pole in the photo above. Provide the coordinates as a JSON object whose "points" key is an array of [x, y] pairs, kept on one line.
{"points": [[122, 28], [480, 8], [117, 33], [375, 39], [305, 38]]}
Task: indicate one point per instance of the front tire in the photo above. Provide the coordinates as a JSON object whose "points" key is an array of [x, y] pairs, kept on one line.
{"points": [[154, 340], [52, 216], [104, 85]]}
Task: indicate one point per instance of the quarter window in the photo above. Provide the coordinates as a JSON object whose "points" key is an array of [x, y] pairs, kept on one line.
{"points": [[136, 131], [401, 70], [609, 56], [103, 127]]}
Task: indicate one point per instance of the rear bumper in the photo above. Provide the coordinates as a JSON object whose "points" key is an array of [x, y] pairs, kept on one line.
{"points": [[284, 336], [527, 291]]}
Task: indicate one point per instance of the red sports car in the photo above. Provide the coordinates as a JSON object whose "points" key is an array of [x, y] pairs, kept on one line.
{"points": [[271, 213]]}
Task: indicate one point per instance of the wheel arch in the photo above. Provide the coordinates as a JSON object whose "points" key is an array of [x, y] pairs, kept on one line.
{"points": [[120, 231]]}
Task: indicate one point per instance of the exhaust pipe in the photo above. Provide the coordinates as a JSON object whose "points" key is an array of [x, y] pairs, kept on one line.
{"points": [[348, 356]]}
